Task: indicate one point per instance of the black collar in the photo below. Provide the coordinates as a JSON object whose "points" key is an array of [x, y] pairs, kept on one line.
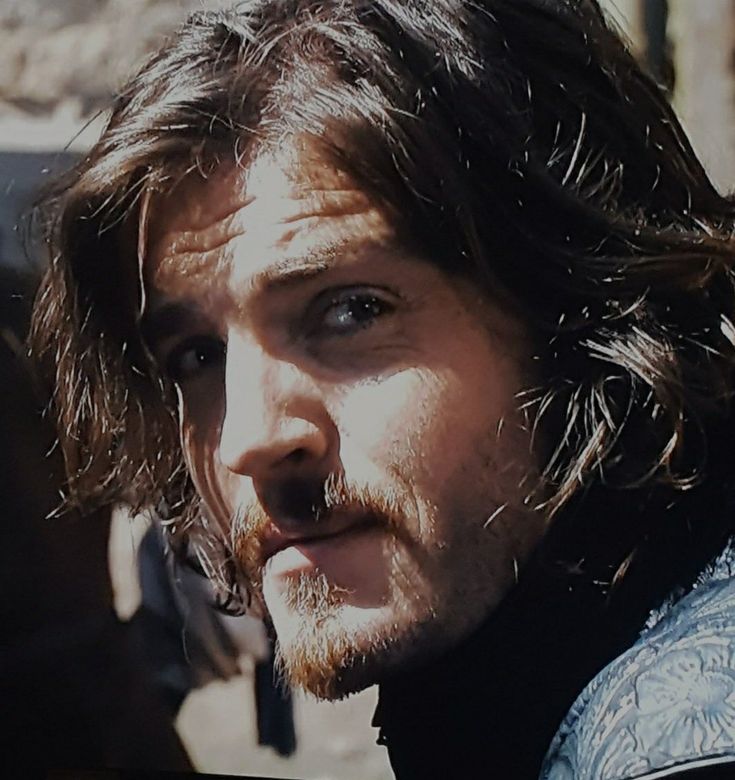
{"points": [[491, 706]]}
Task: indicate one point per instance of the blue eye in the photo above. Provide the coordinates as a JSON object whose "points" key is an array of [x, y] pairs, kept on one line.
{"points": [[353, 311], [194, 356]]}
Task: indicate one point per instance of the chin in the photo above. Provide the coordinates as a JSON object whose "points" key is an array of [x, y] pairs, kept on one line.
{"points": [[332, 649], [330, 663]]}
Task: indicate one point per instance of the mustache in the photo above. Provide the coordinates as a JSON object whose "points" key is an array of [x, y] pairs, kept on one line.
{"points": [[298, 505]]}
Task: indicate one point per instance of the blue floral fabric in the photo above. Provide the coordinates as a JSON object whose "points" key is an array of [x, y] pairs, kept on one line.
{"points": [[665, 705]]}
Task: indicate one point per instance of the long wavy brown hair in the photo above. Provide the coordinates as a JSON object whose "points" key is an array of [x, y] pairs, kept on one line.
{"points": [[514, 142]]}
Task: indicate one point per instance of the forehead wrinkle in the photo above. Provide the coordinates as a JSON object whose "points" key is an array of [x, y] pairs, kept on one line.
{"points": [[207, 239], [192, 240], [226, 229], [200, 270], [330, 203], [300, 206]]}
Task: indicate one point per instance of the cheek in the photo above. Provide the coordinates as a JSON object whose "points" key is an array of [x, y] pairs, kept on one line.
{"points": [[410, 428], [429, 413], [438, 430], [385, 420]]}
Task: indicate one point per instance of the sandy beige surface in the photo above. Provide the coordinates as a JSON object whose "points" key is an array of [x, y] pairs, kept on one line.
{"points": [[335, 741]]}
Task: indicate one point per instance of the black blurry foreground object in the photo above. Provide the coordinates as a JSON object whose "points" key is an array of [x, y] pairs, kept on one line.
{"points": [[73, 684]]}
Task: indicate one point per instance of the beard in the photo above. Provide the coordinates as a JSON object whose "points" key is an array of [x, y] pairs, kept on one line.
{"points": [[321, 656], [329, 650], [324, 644]]}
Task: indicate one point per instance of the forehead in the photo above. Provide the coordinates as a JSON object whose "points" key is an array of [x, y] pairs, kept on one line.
{"points": [[287, 205]]}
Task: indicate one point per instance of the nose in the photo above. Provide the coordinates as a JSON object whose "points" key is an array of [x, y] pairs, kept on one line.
{"points": [[274, 415]]}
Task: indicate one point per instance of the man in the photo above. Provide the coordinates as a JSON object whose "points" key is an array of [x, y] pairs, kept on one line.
{"points": [[416, 320]]}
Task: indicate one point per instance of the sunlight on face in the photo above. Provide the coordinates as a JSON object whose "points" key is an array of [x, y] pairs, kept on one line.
{"points": [[349, 415]]}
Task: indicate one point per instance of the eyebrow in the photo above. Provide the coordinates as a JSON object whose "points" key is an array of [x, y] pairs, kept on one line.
{"points": [[295, 270], [303, 267], [171, 317]]}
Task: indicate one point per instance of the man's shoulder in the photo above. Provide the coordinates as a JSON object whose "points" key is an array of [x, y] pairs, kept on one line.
{"points": [[667, 705]]}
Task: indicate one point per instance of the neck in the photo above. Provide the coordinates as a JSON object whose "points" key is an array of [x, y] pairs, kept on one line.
{"points": [[491, 706]]}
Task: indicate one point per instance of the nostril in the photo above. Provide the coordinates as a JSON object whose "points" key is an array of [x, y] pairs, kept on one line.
{"points": [[297, 456], [293, 503]]}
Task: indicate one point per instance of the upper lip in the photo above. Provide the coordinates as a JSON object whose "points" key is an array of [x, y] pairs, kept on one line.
{"points": [[273, 539]]}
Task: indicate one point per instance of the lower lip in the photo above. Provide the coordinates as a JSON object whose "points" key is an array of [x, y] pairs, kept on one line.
{"points": [[321, 554]]}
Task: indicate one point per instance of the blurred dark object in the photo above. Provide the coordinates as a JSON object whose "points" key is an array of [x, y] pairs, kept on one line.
{"points": [[274, 709], [658, 50], [72, 680]]}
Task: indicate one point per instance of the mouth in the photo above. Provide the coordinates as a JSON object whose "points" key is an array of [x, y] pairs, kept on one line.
{"points": [[331, 528]]}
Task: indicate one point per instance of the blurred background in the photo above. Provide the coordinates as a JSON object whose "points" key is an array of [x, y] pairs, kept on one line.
{"points": [[83, 600]]}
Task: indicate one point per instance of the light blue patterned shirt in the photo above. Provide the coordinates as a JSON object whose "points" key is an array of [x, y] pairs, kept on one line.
{"points": [[666, 705]]}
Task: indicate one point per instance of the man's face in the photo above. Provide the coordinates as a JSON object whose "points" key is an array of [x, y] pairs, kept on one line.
{"points": [[348, 415]]}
